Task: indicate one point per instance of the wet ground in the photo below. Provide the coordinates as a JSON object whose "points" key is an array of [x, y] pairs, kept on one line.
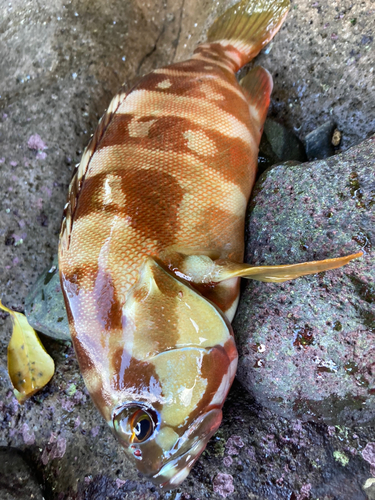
{"points": [[61, 64]]}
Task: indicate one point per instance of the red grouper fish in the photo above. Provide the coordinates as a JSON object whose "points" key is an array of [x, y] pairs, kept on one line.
{"points": [[152, 242]]}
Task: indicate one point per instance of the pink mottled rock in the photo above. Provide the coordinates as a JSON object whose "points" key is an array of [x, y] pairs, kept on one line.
{"points": [[223, 484], [305, 492], [35, 142], [41, 155], [28, 435], [368, 453], [55, 449], [95, 431], [233, 443], [317, 330], [67, 405], [120, 483]]}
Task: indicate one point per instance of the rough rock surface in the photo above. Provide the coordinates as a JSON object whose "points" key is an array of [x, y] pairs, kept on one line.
{"points": [[307, 346], [61, 64], [278, 144], [16, 479]]}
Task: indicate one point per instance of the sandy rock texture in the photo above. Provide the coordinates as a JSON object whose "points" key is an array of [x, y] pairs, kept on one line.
{"points": [[307, 346], [62, 61]]}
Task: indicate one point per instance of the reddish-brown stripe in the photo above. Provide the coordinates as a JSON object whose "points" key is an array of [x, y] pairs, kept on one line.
{"points": [[135, 377], [152, 202], [232, 159], [218, 293], [218, 53], [214, 366]]}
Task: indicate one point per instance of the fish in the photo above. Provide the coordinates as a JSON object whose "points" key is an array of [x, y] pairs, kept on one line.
{"points": [[152, 243]]}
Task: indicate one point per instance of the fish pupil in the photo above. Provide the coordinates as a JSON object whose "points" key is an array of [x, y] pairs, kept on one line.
{"points": [[142, 429]]}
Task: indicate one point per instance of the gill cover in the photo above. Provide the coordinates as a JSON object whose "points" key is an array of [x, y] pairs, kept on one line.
{"points": [[185, 342], [163, 313]]}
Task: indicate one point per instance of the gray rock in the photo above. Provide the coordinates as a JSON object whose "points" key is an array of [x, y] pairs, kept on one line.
{"points": [[322, 67], [278, 144], [44, 306], [306, 346], [319, 142], [16, 479]]}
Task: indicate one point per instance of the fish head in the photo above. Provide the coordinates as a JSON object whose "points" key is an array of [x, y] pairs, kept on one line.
{"points": [[160, 451], [185, 346]]}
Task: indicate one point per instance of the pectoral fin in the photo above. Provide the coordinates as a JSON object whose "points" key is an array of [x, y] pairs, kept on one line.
{"points": [[282, 273], [203, 270]]}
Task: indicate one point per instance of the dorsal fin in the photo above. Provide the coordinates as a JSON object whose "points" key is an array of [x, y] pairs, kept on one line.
{"points": [[82, 167]]}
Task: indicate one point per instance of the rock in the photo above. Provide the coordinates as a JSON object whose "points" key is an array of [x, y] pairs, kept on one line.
{"points": [[306, 346], [319, 142], [320, 75], [17, 481], [278, 144], [45, 307]]}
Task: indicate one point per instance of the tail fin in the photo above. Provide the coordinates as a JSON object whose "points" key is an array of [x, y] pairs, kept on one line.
{"points": [[248, 26]]}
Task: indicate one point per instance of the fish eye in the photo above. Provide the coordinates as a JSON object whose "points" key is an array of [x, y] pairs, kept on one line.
{"points": [[134, 424], [142, 426]]}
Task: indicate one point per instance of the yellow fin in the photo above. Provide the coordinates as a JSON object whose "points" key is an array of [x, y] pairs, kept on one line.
{"points": [[202, 269], [257, 85], [249, 25], [281, 273], [30, 367]]}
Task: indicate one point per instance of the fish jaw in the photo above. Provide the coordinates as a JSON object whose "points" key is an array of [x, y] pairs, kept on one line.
{"points": [[172, 474]]}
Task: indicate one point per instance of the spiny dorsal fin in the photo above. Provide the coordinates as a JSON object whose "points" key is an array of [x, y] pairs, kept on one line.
{"points": [[82, 167]]}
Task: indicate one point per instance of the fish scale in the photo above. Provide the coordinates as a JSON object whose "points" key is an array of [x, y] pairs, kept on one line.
{"points": [[152, 240]]}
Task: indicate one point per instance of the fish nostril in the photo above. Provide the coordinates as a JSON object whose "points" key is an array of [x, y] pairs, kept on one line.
{"points": [[137, 452]]}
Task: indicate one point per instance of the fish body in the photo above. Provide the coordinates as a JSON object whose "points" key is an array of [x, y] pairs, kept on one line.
{"points": [[152, 242]]}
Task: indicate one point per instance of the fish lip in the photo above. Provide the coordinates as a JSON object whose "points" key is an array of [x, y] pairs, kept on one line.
{"points": [[164, 482], [188, 452]]}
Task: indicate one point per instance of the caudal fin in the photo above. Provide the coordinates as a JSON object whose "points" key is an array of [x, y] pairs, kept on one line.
{"points": [[248, 26]]}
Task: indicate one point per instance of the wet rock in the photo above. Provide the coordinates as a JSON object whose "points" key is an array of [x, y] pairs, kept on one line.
{"points": [[319, 142], [16, 479], [306, 346], [45, 307], [319, 75], [278, 144]]}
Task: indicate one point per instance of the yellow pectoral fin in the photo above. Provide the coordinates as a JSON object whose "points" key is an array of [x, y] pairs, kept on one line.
{"points": [[279, 273], [30, 367]]}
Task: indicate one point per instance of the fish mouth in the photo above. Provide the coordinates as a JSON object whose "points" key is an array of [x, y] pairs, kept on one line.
{"points": [[194, 441]]}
